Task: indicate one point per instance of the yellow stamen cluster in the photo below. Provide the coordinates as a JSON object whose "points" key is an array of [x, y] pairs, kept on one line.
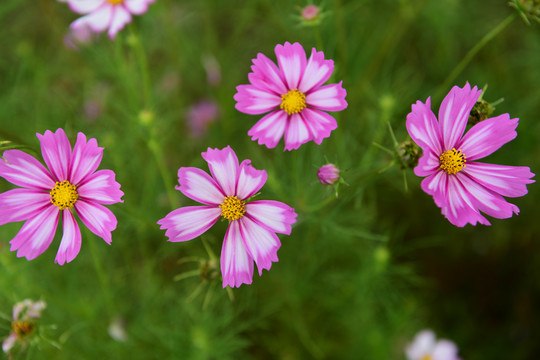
{"points": [[452, 161], [22, 328], [64, 195], [115, 2], [293, 102], [232, 208], [426, 357]]}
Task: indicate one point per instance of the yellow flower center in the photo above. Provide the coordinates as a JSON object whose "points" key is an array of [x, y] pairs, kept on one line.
{"points": [[232, 208], [426, 357], [293, 102], [22, 328], [452, 161], [64, 195], [115, 2]]}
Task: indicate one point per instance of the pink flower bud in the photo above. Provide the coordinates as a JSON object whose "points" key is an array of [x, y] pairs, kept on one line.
{"points": [[310, 12], [328, 174]]}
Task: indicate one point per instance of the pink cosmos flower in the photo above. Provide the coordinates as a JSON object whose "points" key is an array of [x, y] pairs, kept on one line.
{"points": [[426, 347], [461, 186], [101, 15], [294, 94], [251, 235], [23, 315], [71, 185]]}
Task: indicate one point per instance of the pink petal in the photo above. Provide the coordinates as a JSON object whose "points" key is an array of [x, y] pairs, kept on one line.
{"points": [[269, 130], [428, 164], [9, 342], [487, 136], [250, 180], [199, 186], [292, 62], [445, 350], [236, 265], [422, 345], [297, 132], [320, 124], [101, 187], [120, 18], [188, 222], [505, 180], [223, 165], [261, 245], [36, 234], [328, 97], [317, 71], [461, 206], [454, 113], [252, 100], [423, 127], [71, 239], [84, 6], [98, 20], [272, 215], [436, 185], [22, 204], [137, 7], [56, 151], [23, 170], [97, 218], [85, 159], [266, 75]]}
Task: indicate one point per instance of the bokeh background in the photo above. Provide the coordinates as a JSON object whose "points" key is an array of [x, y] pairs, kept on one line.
{"points": [[360, 274]]}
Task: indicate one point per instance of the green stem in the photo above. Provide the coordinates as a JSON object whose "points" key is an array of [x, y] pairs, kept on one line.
{"points": [[465, 61], [143, 65]]}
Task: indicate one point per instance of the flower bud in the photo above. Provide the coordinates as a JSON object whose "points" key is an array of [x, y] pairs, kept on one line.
{"points": [[409, 153], [328, 174], [527, 9]]}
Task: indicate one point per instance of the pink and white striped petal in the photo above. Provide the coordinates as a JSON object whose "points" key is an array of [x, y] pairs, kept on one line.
{"points": [[85, 6], [423, 127], [454, 113], [101, 187], [97, 218], [272, 215], [266, 75], [317, 71], [36, 234], [71, 239], [98, 20], [23, 170], [329, 97], [236, 264], [188, 222], [9, 342], [296, 133], [253, 100], [137, 7], [199, 186], [488, 136], [319, 123], [261, 245], [119, 18], [292, 62], [22, 204], [428, 163], [461, 208], [250, 180], [224, 166], [270, 129], [508, 181], [436, 186], [85, 159]]}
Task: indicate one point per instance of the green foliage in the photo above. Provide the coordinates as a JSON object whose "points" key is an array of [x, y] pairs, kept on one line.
{"points": [[360, 274]]}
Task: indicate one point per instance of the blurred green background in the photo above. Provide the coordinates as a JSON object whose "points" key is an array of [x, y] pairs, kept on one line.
{"points": [[359, 275]]}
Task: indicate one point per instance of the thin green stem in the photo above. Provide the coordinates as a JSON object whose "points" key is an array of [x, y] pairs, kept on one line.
{"points": [[143, 65], [468, 57]]}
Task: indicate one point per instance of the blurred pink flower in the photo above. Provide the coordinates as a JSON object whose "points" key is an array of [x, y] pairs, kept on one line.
{"points": [[310, 12], [71, 182], [295, 95], [461, 186], [251, 235], [328, 174], [200, 115], [22, 325], [79, 36], [425, 346], [101, 15]]}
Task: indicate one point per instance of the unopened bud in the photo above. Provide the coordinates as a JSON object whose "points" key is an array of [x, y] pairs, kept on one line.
{"points": [[328, 174], [409, 153]]}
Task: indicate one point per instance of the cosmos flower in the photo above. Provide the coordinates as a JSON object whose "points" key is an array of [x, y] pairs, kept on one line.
{"points": [[460, 185], [251, 234], [294, 94], [426, 347], [328, 174], [200, 115], [23, 315], [101, 15], [71, 185]]}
